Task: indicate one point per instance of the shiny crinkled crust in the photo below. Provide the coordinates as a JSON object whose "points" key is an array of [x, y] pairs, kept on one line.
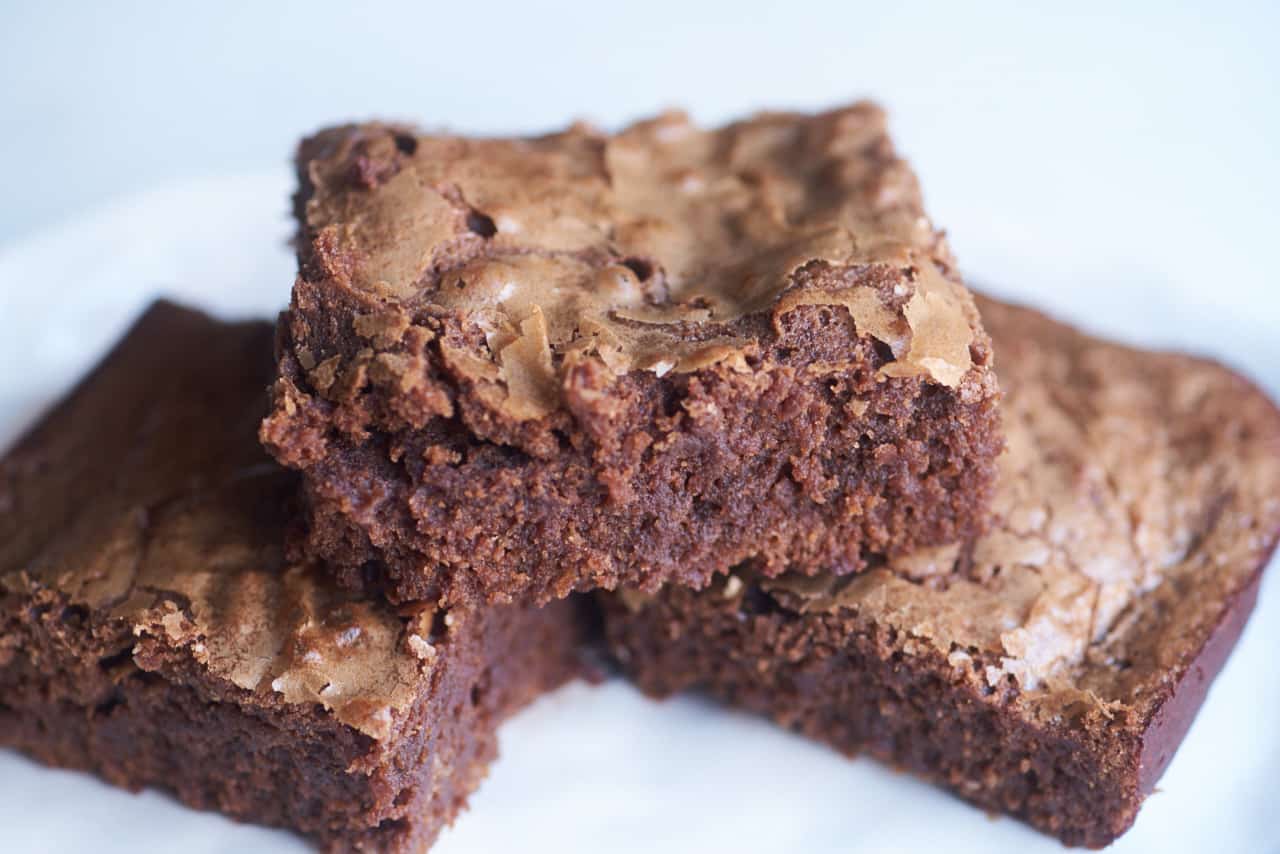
{"points": [[152, 631], [1139, 501], [604, 304], [637, 250]]}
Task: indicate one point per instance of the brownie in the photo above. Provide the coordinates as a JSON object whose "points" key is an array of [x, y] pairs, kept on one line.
{"points": [[514, 368], [1050, 668], [151, 631]]}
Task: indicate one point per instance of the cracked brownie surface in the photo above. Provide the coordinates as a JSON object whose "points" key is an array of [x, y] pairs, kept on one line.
{"points": [[1050, 667], [513, 368]]}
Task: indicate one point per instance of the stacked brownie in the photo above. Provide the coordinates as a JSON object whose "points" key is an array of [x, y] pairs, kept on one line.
{"points": [[732, 381], [513, 369]]}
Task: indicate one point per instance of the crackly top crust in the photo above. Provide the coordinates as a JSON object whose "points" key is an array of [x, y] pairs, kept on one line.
{"points": [[145, 498], [639, 250], [1139, 493]]}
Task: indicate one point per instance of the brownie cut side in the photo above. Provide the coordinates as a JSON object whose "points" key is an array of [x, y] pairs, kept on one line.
{"points": [[1050, 668], [152, 632], [515, 368]]}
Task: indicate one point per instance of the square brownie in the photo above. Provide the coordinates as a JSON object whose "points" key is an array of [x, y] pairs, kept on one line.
{"points": [[152, 632], [515, 368], [1050, 668]]}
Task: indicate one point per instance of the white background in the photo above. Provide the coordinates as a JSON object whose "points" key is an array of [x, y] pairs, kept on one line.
{"points": [[1116, 165]]}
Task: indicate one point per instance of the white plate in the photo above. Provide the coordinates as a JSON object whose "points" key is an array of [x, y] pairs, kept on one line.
{"points": [[600, 768]]}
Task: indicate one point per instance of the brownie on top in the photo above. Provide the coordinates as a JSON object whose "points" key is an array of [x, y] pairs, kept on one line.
{"points": [[1050, 668], [152, 631], [513, 368]]}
